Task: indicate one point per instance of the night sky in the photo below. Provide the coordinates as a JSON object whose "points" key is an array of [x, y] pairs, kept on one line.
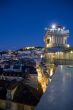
{"points": [[22, 22]]}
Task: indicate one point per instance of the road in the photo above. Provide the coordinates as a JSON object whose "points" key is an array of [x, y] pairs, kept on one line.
{"points": [[59, 94]]}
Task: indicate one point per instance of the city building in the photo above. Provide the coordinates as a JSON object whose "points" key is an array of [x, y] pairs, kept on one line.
{"points": [[56, 36], [57, 50]]}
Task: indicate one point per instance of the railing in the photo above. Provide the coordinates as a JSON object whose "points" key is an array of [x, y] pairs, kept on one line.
{"points": [[59, 61], [63, 61]]}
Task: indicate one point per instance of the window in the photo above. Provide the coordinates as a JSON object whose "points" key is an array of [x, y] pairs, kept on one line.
{"points": [[48, 41]]}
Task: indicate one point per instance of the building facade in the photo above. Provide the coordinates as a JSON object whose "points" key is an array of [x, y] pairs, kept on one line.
{"points": [[56, 36], [57, 50]]}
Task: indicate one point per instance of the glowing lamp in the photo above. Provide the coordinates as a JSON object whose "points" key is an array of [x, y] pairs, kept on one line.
{"points": [[53, 26]]}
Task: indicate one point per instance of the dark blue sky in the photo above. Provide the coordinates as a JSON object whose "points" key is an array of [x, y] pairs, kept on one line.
{"points": [[22, 22]]}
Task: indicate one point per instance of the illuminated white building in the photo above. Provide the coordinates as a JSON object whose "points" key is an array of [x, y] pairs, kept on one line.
{"points": [[56, 36], [58, 52]]}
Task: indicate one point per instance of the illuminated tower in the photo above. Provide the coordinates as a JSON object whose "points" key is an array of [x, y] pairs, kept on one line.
{"points": [[56, 36]]}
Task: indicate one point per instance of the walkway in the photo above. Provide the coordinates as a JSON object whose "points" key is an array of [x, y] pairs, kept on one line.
{"points": [[59, 94]]}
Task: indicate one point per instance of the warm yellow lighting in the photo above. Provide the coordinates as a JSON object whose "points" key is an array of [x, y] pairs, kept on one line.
{"points": [[49, 45], [51, 71], [41, 78], [71, 51]]}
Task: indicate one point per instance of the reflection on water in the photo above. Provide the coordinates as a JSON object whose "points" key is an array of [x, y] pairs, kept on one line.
{"points": [[8, 105]]}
